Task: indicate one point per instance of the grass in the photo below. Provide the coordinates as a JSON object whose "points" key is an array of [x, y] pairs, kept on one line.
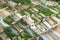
{"points": [[57, 7], [8, 20], [22, 1], [43, 10], [6, 5], [1, 38], [35, 20], [22, 12], [58, 16], [16, 1], [23, 22], [30, 12], [9, 33], [25, 1]]}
